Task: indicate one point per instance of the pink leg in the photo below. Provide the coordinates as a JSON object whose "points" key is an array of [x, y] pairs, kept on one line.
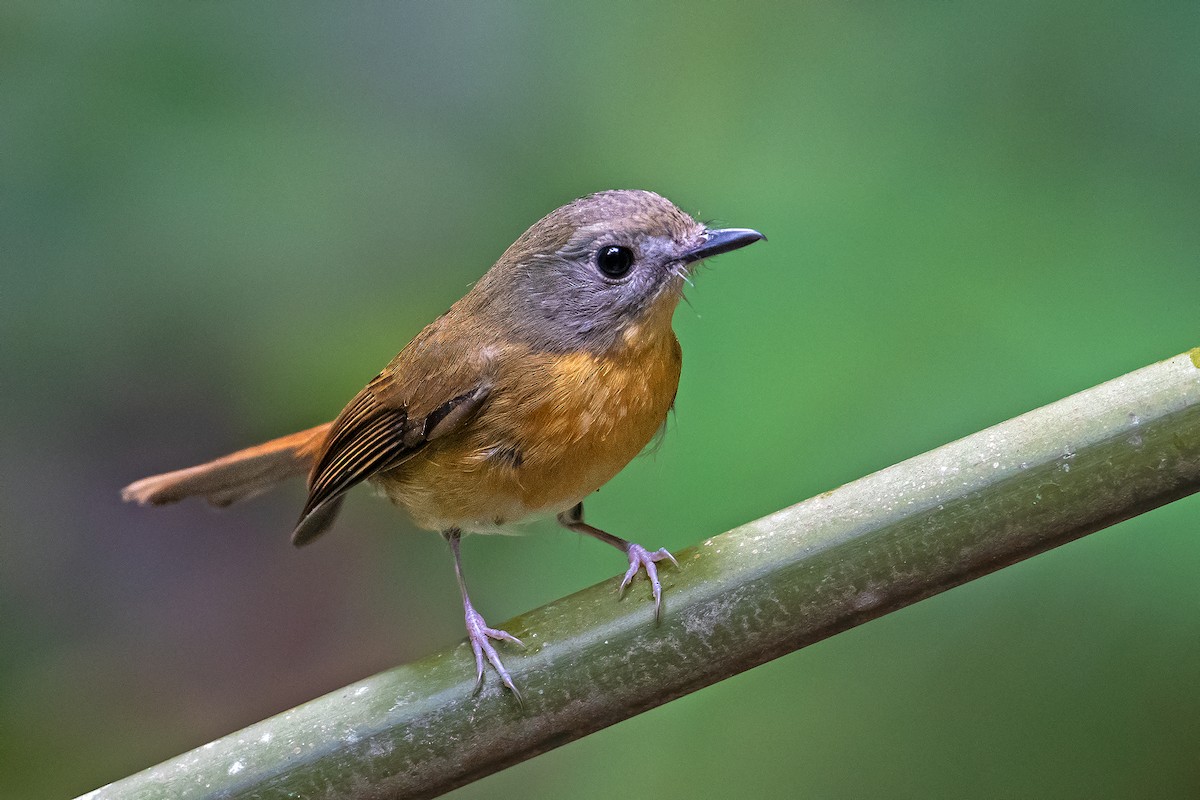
{"points": [[639, 557], [478, 633]]}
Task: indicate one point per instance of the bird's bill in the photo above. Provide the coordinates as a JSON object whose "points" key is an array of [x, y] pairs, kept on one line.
{"points": [[721, 240]]}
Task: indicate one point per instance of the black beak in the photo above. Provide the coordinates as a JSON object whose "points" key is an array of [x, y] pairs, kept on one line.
{"points": [[721, 241]]}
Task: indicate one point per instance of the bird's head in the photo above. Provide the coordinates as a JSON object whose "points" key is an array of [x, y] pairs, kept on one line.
{"points": [[581, 276]]}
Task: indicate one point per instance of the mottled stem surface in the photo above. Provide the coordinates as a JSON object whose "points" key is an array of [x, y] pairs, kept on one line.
{"points": [[737, 600]]}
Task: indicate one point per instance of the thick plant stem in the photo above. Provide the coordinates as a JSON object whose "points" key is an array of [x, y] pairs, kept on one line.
{"points": [[737, 600]]}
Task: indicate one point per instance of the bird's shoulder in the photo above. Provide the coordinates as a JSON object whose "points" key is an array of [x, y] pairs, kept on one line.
{"points": [[454, 355]]}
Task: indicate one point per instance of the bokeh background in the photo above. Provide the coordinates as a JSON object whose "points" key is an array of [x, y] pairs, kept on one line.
{"points": [[218, 222]]}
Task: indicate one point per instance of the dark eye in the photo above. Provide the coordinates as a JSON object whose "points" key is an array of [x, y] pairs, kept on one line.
{"points": [[614, 260]]}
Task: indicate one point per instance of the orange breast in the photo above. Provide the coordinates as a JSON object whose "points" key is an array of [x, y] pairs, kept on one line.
{"points": [[554, 429]]}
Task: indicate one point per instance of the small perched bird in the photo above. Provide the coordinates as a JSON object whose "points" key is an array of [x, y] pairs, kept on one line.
{"points": [[530, 393]]}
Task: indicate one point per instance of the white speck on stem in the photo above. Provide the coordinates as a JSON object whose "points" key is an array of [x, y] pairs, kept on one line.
{"points": [[236, 767]]}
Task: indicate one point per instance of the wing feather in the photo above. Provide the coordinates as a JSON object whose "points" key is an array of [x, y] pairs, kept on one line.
{"points": [[368, 437]]}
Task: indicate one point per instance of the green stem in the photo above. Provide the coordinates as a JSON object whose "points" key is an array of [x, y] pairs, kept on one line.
{"points": [[738, 599]]}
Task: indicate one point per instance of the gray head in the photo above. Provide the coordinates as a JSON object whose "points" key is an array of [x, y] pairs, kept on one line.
{"points": [[585, 272]]}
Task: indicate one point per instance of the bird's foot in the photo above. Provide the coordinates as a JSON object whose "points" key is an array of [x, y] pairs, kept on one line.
{"points": [[479, 635], [642, 559]]}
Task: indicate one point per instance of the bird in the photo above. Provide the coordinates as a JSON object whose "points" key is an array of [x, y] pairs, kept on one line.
{"points": [[532, 391]]}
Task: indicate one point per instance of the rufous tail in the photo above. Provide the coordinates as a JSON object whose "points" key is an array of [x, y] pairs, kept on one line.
{"points": [[235, 476]]}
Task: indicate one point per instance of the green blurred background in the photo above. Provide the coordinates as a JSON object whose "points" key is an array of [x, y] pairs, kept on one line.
{"points": [[218, 222]]}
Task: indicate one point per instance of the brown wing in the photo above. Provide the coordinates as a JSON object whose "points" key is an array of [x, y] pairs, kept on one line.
{"points": [[372, 434]]}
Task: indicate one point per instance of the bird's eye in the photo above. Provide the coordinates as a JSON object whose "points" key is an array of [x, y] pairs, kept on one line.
{"points": [[614, 261]]}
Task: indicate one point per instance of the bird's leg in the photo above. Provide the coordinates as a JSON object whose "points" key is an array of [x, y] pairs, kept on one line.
{"points": [[639, 557], [478, 633]]}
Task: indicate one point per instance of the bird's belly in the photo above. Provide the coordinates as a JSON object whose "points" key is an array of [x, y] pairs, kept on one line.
{"points": [[540, 445]]}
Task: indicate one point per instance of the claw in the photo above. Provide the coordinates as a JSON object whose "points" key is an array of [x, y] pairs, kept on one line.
{"points": [[642, 559], [478, 634]]}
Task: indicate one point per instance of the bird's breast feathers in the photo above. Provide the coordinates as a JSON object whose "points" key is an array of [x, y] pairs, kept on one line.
{"points": [[551, 433]]}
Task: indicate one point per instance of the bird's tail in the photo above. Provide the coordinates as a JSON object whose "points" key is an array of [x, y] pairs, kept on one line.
{"points": [[235, 476]]}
